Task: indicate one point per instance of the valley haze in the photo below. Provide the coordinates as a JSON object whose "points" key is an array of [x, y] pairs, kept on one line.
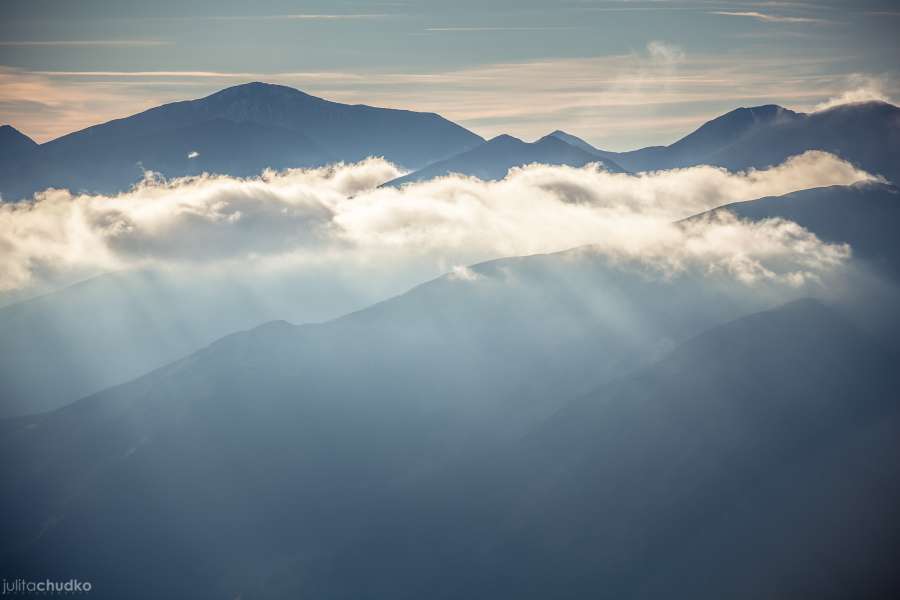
{"points": [[483, 300]]}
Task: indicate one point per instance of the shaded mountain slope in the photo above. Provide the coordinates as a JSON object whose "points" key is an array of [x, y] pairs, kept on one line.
{"points": [[112, 328], [285, 461], [236, 131], [866, 216], [276, 443], [213, 146], [758, 459], [867, 134], [14, 145], [54, 355], [698, 147]]}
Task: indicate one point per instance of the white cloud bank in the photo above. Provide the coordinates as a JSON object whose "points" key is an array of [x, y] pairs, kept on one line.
{"points": [[337, 216]]}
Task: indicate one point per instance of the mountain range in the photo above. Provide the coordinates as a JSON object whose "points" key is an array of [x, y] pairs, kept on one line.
{"points": [[865, 133], [247, 128], [546, 426], [493, 159]]}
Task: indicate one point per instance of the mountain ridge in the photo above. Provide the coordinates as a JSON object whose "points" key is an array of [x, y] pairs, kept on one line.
{"points": [[493, 159], [108, 157]]}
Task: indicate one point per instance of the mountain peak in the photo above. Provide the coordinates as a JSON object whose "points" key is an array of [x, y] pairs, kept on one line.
{"points": [[14, 143], [745, 115], [8, 132], [257, 89], [726, 129], [552, 140], [568, 138], [505, 138]]}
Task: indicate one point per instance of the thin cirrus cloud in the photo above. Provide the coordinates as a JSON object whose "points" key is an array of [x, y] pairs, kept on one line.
{"points": [[300, 17], [337, 217], [767, 18], [85, 43], [475, 29]]}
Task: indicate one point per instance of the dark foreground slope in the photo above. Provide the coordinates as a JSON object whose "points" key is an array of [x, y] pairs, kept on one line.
{"points": [[282, 463], [758, 460], [275, 443]]}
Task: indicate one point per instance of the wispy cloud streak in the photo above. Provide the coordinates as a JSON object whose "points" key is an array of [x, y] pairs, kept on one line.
{"points": [[768, 18], [85, 43]]}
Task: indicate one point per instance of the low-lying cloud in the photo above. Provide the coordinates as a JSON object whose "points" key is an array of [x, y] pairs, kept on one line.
{"points": [[337, 216]]}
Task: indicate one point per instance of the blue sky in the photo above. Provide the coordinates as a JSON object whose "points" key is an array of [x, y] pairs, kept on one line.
{"points": [[622, 74]]}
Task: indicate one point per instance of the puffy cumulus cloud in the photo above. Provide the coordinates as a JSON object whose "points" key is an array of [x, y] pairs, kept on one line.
{"points": [[721, 244], [338, 216]]}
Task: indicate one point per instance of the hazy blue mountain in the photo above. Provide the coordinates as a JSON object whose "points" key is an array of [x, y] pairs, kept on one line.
{"points": [[576, 141], [730, 130], [493, 159], [285, 127], [53, 355], [759, 459], [14, 145], [83, 338], [215, 146], [697, 147], [867, 134], [865, 216], [107, 330], [365, 458], [239, 131]]}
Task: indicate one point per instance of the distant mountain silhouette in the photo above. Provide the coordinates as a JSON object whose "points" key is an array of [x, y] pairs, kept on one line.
{"points": [[239, 131], [252, 126], [493, 159], [866, 134], [577, 142], [697, 147], [14, 145]]}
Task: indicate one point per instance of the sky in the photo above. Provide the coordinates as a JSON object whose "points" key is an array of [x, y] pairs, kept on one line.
{"points": [[621, 74]]}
